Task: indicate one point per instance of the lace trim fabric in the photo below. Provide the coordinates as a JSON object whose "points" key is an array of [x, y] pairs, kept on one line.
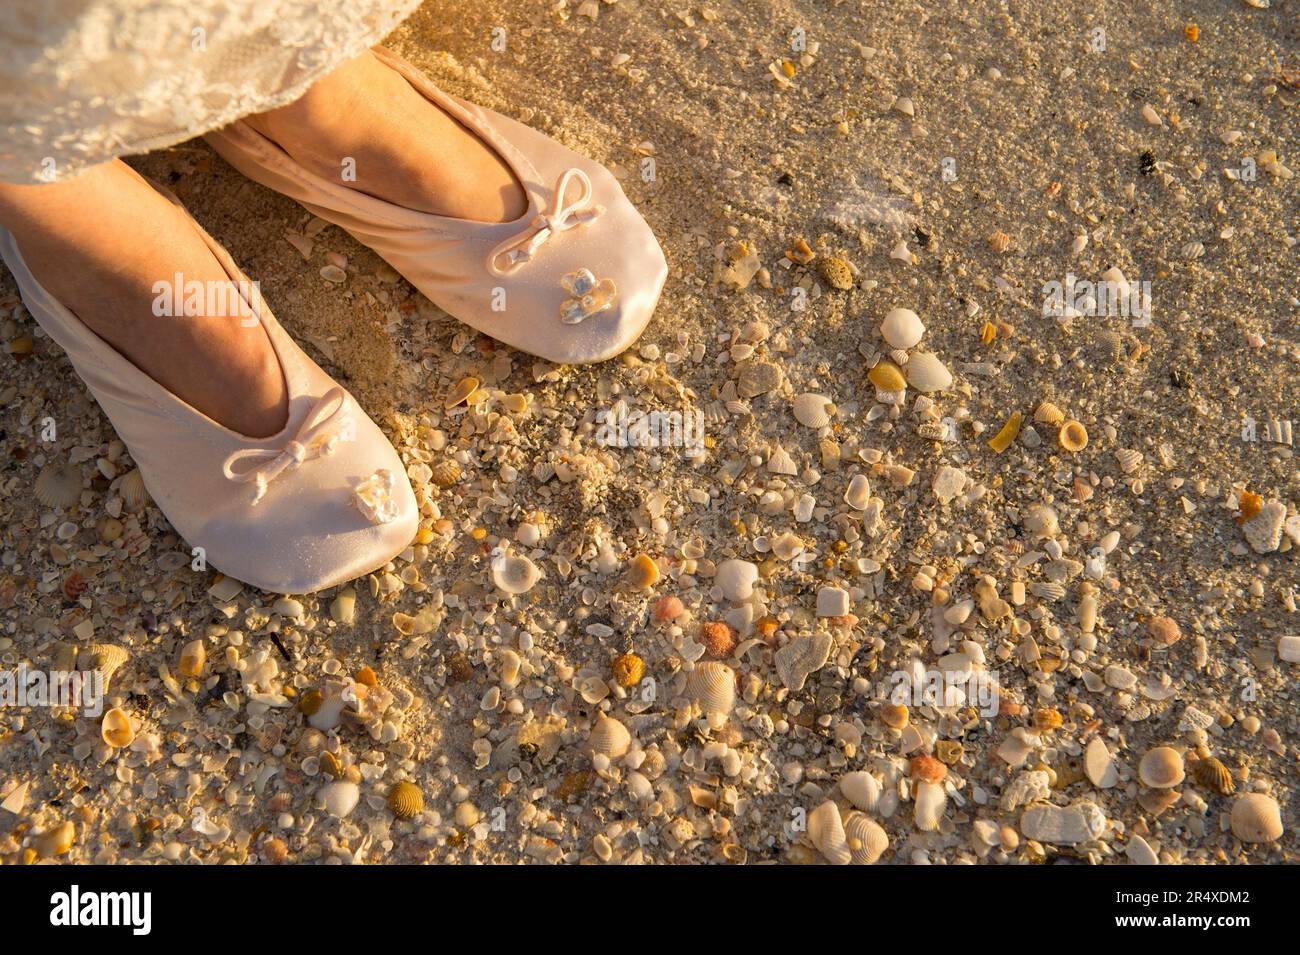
{"points": [[85, 81]]}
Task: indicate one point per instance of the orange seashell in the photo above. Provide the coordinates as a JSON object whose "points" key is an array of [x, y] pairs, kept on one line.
{"points": [[718, 638], [1073, 436], [927, 769], [1164, 631], [668, 608], [1249, 505]]}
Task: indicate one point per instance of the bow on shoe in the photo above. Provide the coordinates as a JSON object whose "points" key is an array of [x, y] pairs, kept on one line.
{"points": [[318, 436], [520, 248]]}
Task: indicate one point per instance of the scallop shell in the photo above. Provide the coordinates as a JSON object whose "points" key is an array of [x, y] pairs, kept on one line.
{"points": [[755, 377], [1212, 774], [826, 832], [861, 789], [132, 491], [444, 472], [1112, 347], [925, 372], [107, 658], [405, 800], [1129, 460], [713, 686], [515, 575], [58, 486], [867, 840], [928, 805], [116, 729], [812, 410], [1256, 817], [1047, 590], [609, 737], [1161, 768]]}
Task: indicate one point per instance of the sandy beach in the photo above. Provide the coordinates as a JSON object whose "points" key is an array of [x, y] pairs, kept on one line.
{"points": [[946, 512]]}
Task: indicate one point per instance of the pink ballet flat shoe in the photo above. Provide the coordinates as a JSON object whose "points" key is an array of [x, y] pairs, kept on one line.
{"points": [[575, 279], [322, 502]]}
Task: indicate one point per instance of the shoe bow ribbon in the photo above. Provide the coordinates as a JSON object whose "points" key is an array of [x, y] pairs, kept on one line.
{"points": [[319, 434], [563, 216]]}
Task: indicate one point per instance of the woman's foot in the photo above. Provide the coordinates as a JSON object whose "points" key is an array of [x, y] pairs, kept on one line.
{"points": [[366, 127], [101, 244]]}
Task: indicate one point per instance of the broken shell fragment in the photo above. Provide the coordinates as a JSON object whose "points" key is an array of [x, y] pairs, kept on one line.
{"points": [[116, 730], [1002, 440]]}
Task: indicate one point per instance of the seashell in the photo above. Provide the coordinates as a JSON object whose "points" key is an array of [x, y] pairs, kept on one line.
{"points": [[1164, 630], [712, 685], [928, 803], [668, 608], [902, 328], [340, 797], [802, 657], [331, 765], [405, 800], [858, 493], [1263, 532], [109, 529], [1212, 774], [644, 573], [1047, 590], [736, 579], [867, 841], [1256, 817], [55, 841], [116, 729], [886, 376], [718, 638], [1063, 826], [462, 392], [609, 737], [1002, 440], [444, 472], [1112, 347], [826, 832], [999, 241], [107, 658], [1157, 801], [1099, 765], [1129, 460], [375, 497], [1161, 768], [1073, 436], [927, 769], [58, 486], [861, 789], [1248, 505], [1047, 720], [812, 410], [755, 377], [835, 272], [1048, 413], [343, 608], [780, 462], [904, 106], [894, 715], [514, 574], [926, 373], [628, 670], [193, 656], [132, 491]]}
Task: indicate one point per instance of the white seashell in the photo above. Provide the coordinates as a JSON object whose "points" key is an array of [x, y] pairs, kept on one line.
{"points": [[58, 486], [780, 462], [1099, 765], [736, 579], [948, 483], [925, 372], [1161, 768], [1129, 460], [1139, 852], [514, 574], [1263, 532], [1256, 817], [902, 328], [1115, 277], [609, 737], [1047, 590], [713, 686], [866, 839], [861, 789], [832, 602], [375, 497], [858, 493], [1288, 649], [340, 798], [107, 658], [802, 657], [1063, 826], [904, 106], [826, 831], [132, 491], [928, 805], [812, 410]]}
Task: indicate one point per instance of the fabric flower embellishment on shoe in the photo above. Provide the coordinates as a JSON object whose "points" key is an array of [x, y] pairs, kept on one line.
{"points": [[589, 296], [565, 214], [375, 498]]}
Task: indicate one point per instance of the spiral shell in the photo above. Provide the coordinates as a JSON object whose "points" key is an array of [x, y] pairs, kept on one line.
{"points": [[1212, 774], [132, 491], [867, 841], [116, 729], [813, 411], [58, 486], [609, 737], [826, 832], [405, 800], [713, 686]]}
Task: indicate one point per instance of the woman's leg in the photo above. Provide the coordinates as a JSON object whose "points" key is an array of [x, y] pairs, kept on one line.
{"points": [[365, 119], [99, 243]]}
